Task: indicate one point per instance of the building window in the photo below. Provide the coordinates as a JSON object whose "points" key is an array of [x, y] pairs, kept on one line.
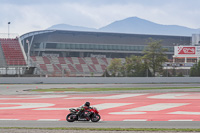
{"points": [[67, 46], [72, 46], [109, 47]]}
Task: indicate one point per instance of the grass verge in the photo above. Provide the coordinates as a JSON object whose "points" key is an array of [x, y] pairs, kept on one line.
{"points": [[110, 129], [108, 89]]}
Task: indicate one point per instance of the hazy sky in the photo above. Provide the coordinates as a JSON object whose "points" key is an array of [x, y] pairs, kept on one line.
{"points": [[31, 15]]}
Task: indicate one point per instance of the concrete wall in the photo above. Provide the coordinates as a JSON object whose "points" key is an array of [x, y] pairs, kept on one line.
{"points": [[97, 80]]}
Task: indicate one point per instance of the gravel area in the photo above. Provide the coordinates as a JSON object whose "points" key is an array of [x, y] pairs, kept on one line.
{"points": [[75, 131]]}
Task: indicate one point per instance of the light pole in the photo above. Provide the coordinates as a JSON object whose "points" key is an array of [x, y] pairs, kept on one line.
{"points": [[8, 29], [28, 52]]}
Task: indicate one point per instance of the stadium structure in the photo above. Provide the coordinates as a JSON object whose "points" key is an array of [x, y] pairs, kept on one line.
{"points": [[75, 53], [12, 56]]}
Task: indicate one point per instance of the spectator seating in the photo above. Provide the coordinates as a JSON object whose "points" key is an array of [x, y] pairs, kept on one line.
{"points": [[12, 52], [73, 65]]}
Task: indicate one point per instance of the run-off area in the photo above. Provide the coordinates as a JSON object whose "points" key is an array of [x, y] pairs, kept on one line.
{"points": [[112, 107]]}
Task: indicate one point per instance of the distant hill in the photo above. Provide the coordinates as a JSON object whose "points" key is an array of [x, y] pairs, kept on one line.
{"points": [[135, 25], [70, 27], [141, 26]]}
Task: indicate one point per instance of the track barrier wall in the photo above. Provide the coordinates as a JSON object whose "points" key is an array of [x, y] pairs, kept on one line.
{"points": [[96, 80]]}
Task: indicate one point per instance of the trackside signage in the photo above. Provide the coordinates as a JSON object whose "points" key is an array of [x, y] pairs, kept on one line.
{"points": [[187, 50]]}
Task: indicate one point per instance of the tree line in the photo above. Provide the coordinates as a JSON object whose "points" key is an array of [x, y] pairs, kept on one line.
{"points": [[148, 65]]}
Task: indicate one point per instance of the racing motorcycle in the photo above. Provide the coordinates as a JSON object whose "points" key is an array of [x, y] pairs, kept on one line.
{"points": [[90, 114]]}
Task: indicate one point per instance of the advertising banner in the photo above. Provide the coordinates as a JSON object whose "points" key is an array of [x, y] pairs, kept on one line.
{"points": [[187, 50]]}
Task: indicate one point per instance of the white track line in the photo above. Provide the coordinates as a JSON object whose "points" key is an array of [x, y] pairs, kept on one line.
{"points": [[158, 107], [98, 106], [109, 97], [176, 96], [26, 105], [110, 105], [52, 109], [126, 113], [185, 113]]}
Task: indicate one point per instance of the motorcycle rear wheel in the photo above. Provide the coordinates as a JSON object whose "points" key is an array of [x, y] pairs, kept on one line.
{"points": [[95, 118], [71, 117]]}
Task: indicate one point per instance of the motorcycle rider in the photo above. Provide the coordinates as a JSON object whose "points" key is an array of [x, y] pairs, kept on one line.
{"points": [[83, 108]]}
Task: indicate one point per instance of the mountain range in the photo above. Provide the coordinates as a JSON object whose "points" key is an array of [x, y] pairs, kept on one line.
{"points": [[134, 25]]}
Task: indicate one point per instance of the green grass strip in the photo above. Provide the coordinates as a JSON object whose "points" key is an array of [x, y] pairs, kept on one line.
{"points": [[110, 129], [109, 89]]}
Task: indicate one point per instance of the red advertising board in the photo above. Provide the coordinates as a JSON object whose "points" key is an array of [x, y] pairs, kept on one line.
{"points": [[186, 50]]}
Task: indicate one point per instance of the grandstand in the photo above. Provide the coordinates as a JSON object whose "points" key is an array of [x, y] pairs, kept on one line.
{"points": [[71, 66], [75, 53], [12, 56]]}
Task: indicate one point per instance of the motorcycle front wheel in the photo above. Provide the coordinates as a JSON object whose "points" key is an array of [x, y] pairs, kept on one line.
{"points": [[71, 117], [95, 118]]}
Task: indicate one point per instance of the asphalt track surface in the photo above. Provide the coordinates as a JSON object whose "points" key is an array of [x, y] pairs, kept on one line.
{"points": [[102, 124], [19, 90]]}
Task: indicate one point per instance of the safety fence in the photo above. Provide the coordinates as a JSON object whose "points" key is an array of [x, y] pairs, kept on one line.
{"points": [[96, 80]]}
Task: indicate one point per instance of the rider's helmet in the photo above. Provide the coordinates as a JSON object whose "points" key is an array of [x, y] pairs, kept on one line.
{"points": [[87, 104]]}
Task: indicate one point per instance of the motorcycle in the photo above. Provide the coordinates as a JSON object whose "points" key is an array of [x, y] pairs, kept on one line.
{"points": [[89, 114]]}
